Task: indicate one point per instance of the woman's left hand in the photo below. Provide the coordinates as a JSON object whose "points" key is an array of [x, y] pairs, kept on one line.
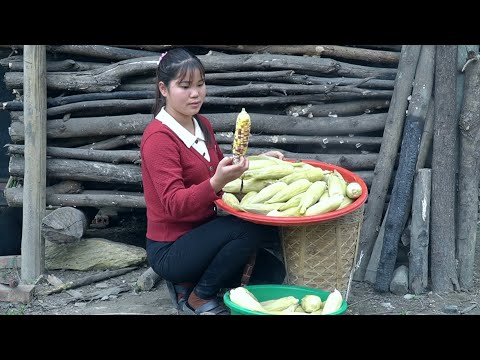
{"points": [[275, 154]]}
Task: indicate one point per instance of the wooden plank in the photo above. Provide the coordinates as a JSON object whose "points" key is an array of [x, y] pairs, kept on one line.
{"points": [[20, 294], [35, 100], [10, 262]]}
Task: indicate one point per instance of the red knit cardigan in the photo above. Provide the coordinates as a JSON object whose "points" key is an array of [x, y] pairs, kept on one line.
{"points": [[176, 182]]}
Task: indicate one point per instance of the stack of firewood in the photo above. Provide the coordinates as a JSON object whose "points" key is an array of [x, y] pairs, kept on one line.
{"points": [[327, 103]]}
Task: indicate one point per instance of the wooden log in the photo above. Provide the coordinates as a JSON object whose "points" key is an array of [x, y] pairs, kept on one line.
{"points": [[88, 198], [324, 141], [64, 225], [444, 158], [65, 187], [127, 106], [16, 64], [16, 105], [402, 188], [371, 270], [110, 53], [70, 169], [285, 76], [270, 89], [462, 57], [420, 233], [389, 150], [261, 123], [349, 108], [333, 51], [87, 127], [468, 177], [148, 280], [296, 99], [114, 143], [426, 142], [114, 156], [300, 64]]}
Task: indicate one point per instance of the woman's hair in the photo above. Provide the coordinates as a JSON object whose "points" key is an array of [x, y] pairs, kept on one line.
{"points": [[177, 64]]}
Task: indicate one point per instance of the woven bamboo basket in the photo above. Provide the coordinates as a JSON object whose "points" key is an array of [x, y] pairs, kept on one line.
{"points": [[322, 255]]}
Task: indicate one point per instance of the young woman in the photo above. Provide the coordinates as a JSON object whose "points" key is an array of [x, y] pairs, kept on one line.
{"points": [[197, 252]]}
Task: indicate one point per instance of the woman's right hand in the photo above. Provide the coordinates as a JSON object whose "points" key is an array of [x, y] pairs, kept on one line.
{"points": [[227, 171]]}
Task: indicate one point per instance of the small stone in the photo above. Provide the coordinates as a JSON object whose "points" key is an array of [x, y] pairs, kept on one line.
{"points": [[450, 309]]}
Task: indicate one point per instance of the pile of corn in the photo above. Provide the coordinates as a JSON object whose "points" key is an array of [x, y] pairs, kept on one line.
{"points": [[288, 305], [275, 187]]}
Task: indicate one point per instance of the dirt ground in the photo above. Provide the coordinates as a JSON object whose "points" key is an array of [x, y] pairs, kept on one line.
{"points": [[118, 296]]}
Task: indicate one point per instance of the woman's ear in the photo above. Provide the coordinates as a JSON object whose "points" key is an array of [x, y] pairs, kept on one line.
{"points": [[162, 88]]}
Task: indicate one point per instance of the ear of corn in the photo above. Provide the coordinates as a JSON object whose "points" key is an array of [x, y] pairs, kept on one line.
{"points": [[242, 135], [346, 201], [247, 197], [325, 205], [272, 172], [354, 190], [312, 195], [236, 186], [245, 299], [295, 188], [231, 200], [292, 202], [333, 302], [280, 304], [263, 209], [267, 192]]}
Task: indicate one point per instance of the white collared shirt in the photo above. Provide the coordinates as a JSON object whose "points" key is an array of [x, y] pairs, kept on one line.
{"points": [[196, 141]]}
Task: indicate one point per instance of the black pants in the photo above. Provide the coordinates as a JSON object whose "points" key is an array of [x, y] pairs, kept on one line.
{"points": [[214, 255]]}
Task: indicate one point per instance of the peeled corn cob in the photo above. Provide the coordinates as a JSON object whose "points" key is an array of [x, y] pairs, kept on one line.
{"points": [[333, 303], [242, 135]]}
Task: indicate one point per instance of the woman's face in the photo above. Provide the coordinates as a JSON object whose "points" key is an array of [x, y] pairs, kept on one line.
{"points": [[184, 97]]}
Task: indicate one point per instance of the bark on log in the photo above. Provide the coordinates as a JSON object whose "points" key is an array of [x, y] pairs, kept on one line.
{"points": [[64, 225], [351, 108], [300, 64], [114, 143], [444, 158], [468, 177], [65, 187], [272, 89], [114, 156], [68, 169], [426, 142], [420, 233], [109, 77], [324, 141], [88, 198], [296, 99], [402, 189], [261, 123], [388, 151], [101, 51], [285, 76], [334, 51], [54, 66]]}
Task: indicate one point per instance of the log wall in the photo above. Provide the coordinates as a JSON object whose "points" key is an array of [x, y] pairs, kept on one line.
{"points": [[327, 103]]}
